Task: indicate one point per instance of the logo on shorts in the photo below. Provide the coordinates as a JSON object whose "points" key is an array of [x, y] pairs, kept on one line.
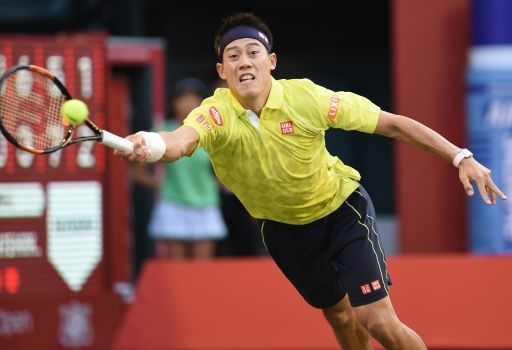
{"points": [[376, 285], [365, 289], [201, 120], [216, 117], [371, 287], [333, 109], [287, 127]]}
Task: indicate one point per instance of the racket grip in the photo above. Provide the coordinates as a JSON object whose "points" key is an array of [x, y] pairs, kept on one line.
{"points": [[116, 142]]}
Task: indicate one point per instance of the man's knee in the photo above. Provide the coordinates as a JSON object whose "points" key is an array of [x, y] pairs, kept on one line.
{"points": [[381, 324], [386, 327], [339, 319]]}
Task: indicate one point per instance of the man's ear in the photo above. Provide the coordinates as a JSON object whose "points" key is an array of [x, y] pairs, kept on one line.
{"points": [[273, 60], [220, 71]]}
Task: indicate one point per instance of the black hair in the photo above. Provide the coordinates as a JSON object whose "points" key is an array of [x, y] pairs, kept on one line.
{"points": [[239, 19], [193, 85]]}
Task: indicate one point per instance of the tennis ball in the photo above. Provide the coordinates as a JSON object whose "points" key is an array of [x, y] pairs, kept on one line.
{"points": [[74, 111]]}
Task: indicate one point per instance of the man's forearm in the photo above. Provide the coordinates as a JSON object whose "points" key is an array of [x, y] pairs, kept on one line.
{"points": [[179, 143], [408, 130]]}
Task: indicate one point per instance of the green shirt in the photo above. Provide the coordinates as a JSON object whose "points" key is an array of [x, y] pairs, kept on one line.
{"points": [[190, 180], [281, 169]]}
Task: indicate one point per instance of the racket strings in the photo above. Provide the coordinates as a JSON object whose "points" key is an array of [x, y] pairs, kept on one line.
{"points": [[30, 110]]}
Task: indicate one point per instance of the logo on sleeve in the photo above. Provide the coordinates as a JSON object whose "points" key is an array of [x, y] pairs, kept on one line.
{"points": [[215, 115], [201, 120], [333, 109], [287, 127]]}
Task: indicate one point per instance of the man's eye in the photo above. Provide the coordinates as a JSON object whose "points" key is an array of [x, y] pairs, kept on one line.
{"points": [[233, 56], [254, 52]]}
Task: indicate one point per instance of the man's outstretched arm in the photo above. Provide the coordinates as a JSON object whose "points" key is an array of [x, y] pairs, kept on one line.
{"points": [[408, 130], [174, 145]]}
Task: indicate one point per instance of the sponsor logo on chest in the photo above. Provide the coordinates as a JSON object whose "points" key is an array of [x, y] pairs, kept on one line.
{"points": [[287, 127]]}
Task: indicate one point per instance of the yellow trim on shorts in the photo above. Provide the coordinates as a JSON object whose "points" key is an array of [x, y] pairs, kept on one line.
{"points": [[378, 238], [373, 246], [263, 236], [378, 243]]}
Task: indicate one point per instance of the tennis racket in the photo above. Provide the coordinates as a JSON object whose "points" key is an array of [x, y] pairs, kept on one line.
{"points": [[30, 101]]}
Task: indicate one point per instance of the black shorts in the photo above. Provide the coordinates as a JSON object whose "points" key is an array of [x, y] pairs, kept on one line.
{"points": [[330, 257]]}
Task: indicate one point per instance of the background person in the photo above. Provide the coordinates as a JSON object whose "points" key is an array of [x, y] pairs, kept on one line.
{"points": [[186, 221]]}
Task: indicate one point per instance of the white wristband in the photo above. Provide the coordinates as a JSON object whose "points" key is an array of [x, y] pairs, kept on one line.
{"points": [[155, 144], [463, 153]]}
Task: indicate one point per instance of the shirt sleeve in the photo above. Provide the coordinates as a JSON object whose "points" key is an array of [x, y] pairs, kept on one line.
{"points": [[202, 119], [346, 110]]}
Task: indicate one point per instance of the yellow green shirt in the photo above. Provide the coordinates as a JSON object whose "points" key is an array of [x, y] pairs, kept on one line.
{"points": [[280, 169]]}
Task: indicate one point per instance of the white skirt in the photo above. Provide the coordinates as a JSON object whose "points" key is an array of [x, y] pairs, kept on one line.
{"points": [[178, 222]]}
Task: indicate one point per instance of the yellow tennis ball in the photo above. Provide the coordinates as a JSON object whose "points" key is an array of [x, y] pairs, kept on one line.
{"points": [[74, 111]]}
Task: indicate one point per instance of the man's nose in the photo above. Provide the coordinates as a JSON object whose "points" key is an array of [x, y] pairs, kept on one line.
{"points": [[244, 61]]}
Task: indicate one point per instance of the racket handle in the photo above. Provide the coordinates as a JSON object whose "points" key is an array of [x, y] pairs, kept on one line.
{"points": [[116, 142]]}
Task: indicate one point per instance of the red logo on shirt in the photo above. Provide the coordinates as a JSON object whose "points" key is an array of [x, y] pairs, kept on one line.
{"points": [[287, 127], [200, 119], [216, 117], [333, 109]]}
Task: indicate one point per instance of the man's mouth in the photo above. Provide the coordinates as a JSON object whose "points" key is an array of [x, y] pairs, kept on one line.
{"points": [[244, 78]]}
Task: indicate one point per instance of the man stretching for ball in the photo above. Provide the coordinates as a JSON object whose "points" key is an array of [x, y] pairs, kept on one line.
{"points": [[265, 139]]}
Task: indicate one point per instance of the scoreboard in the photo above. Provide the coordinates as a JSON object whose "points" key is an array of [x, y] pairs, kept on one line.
{"points": [[52, 207]]}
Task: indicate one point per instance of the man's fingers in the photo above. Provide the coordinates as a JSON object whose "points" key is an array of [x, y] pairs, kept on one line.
{"points": [[467, 185], [140, 151], [495, 190], [481, 176], [492, 194], [483, 192]]}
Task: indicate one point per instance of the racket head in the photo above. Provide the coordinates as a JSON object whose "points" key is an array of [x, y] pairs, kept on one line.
{"points": [[30, 102]]}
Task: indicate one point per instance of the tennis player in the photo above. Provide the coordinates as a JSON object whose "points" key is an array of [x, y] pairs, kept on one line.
{"points": [[265, 138]]}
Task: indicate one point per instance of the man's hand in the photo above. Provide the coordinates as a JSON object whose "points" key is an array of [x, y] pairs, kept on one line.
{"points": [[140, 151], [471, 170]]}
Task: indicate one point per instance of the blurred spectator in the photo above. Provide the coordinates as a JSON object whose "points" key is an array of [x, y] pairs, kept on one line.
{"points": [[186, 220], [243, 237]]}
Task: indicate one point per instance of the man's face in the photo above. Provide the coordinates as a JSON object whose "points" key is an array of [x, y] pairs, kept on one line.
{"points": [[246, 66]]}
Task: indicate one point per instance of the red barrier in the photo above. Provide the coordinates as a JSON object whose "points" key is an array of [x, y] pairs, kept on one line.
{"points": [[430, 45], [454, 302]]}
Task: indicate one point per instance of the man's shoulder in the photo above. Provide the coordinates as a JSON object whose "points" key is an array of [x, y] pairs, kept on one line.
{"points": [[299, 88], [303, 83], [215, 111], [220, 96], [221, 99], [299, 91]]}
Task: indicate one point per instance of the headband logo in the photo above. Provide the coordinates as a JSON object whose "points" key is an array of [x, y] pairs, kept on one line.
{"points": [[263, 36]]}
